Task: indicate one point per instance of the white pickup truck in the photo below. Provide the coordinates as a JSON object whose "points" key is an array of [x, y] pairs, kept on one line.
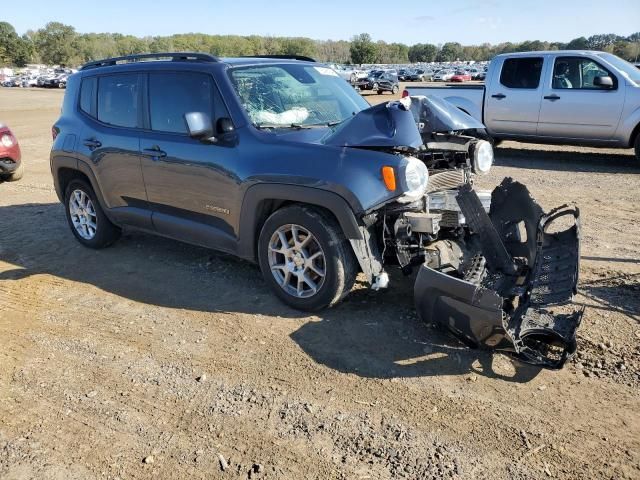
{"points": [[569, 97]]}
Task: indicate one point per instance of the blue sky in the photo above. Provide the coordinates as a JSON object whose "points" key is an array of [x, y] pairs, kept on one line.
{"points": [[407, 21]]}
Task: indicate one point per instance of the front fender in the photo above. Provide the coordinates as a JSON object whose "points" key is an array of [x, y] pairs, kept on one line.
{"points": [[250, 215]]}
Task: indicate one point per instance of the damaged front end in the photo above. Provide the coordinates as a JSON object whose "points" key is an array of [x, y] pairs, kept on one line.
{"points": [[513, 292], [494, 269]]}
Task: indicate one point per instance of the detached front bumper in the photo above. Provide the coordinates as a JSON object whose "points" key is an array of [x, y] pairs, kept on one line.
{"points": [[515, 292]]}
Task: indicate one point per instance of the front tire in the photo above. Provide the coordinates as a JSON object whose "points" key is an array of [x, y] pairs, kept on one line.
{"points": [[85, 217], [17, 174], [636, 146], [305, 258], [395, 89]]}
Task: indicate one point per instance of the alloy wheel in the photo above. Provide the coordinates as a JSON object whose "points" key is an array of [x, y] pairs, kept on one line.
{"points": [[297, 261], [83, 214]]}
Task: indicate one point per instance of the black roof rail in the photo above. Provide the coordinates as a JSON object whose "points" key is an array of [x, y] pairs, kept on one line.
{"points": [[302, 58], [175, 56]]}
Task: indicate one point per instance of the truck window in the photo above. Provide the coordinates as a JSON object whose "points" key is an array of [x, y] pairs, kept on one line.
{"points": [[171, 95], [521, 72], [118, 100], [578, 73]]}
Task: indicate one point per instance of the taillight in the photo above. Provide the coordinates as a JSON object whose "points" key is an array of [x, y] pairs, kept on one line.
{"points": [[54, 131], [405, 93]]}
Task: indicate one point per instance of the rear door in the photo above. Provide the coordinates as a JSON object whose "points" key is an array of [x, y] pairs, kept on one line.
{"points": [[512, 104], [189, 183], [109, 142], [573, 107]]}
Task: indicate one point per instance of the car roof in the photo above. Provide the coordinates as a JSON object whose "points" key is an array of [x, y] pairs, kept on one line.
{"points": [[239, 61], [550, 52]]}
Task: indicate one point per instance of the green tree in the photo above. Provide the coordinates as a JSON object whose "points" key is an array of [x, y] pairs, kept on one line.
{"points": [[580, 43], [363, 50], [422, 52], [56, 44], [14, 50], [450, 52]]}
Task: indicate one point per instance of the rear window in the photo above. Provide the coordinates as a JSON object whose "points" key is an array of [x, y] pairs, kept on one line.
{"points": [[87, 95], [118, 100], [521, 72], [171, 95]]}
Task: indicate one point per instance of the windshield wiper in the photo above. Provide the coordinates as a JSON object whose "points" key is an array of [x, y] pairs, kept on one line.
{"points": [[294, 126]]}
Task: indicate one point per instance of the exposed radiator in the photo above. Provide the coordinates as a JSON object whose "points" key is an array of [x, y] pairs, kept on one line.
{"points": [[446, 180]]}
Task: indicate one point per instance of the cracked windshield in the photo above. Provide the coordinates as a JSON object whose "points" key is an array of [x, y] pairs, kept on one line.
{"points": [[295, 95]]}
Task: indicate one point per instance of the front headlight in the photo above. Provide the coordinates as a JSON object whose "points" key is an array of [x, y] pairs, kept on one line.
{"points": [[482, 157], [6, 140], [414, 178]]}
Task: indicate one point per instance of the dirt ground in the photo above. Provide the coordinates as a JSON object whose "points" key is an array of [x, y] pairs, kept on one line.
{"points": [[157, 359]]}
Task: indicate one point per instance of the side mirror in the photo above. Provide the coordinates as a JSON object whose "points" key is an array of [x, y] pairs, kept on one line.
{"points": [[603, 82], [199, 125], [224, 125]]}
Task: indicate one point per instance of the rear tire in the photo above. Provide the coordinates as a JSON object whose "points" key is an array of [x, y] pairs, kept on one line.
{"points": [[85, 216], [395, 89], [299, 242], [636, 146]]}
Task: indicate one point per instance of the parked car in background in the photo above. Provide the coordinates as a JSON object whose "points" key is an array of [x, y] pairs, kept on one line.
{"points": [[404, 74], [350, 74], [420, 75], [573, 97], [380, 81], [443, 76], [9, 82], [59, 81], [11, 168], [460, 76]]}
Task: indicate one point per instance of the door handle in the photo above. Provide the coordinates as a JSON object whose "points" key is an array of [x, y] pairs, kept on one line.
{"points": [[154, 152], [92, 143], [499, 96], [553, 97]]}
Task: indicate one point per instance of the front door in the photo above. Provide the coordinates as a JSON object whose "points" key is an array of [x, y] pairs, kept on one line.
{"points": [[513, 102], [574, 107], [189, 183]]}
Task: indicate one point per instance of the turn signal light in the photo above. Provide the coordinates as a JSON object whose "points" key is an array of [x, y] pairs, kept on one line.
{"points": [[389, 178]]}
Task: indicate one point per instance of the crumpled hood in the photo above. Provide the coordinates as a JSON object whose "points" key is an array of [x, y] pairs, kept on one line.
{"points": [[385, 125], [400, 123]]}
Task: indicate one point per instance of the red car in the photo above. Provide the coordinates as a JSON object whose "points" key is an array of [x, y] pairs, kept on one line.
{"points": [[11, 168], [461, 77]]}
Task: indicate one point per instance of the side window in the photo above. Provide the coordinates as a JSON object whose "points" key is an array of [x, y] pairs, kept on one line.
{"points": [[118, 100], [87, 96], [578, 73], [171, 95], [521, 72]]}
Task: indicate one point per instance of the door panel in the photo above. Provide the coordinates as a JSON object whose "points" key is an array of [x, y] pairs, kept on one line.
{"points": [[191, 181], [513, 102], [574, 107], [190, 185], [113, 151]]}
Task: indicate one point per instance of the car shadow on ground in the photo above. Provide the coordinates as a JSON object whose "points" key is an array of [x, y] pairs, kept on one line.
{"points": [[370, 334], [617, 294], [566, 161]]}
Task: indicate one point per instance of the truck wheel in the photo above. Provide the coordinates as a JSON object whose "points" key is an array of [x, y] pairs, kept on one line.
{"points": [[305, 258], [636, 146], [86, 219], [380, 92], [394, 90]]}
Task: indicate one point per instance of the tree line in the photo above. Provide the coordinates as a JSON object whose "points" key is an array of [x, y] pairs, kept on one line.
{"points": [[60, 44]]}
